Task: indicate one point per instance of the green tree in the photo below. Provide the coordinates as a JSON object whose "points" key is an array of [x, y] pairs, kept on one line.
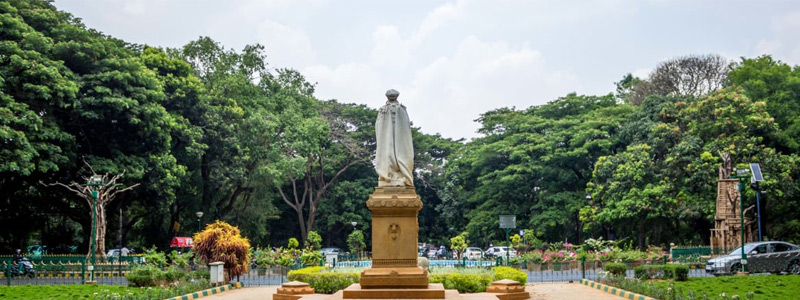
{"points": [[355, 242], [314, 240], [778, 85], [458, 244]]}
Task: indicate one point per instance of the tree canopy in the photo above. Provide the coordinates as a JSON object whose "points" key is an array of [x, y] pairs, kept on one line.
{"points": [[205, 128]]}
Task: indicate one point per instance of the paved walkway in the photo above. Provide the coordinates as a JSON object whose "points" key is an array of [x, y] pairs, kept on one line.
{"points": [[567, 291], [539, 291]]}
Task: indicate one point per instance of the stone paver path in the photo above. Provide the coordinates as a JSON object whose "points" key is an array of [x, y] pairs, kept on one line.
{"points": [[567, 291], [539, 291], [246, 293]]}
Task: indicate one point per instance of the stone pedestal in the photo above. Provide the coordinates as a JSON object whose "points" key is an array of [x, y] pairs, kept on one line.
{"points": [[292, 291], [508, 290], [394, 240], [394, 272]]}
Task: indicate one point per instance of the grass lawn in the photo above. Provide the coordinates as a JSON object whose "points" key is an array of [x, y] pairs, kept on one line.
{"points": [[85, 291], [763, 286], [71, 291]]}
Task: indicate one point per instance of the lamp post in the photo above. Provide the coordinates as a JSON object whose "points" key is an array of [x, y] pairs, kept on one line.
{"points": [[358, 249], [94, 182], [199, 215], [743, 175]]}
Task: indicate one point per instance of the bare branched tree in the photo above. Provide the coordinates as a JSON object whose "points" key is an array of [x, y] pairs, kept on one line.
{"points": [[684, 76], [106, 193]]}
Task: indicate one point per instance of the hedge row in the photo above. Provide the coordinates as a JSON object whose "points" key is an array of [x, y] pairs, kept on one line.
{"points": [[326, 281], [676, 272]]}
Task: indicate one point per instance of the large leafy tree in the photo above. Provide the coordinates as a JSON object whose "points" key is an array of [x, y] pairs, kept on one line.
{"points": [[778, 85], [534, 164], [104, 103], [666, 179]]}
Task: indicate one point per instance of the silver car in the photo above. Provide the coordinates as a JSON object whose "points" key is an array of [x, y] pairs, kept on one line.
{"points": [[762, 257]]}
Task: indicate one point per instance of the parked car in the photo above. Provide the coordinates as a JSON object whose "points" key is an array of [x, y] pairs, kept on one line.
{"points": [[330, 250], [116, 252], [762, 257], [499, 251], [431, 253], [474, 253]]}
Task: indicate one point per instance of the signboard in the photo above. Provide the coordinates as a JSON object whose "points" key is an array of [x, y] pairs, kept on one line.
{"points": [[508, 221], [181, 242]]}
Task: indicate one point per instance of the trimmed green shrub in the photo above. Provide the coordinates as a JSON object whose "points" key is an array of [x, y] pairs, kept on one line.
{"points": [[143, 276], [510, 273], [616, 269], [172, 275], [322, 281], [150, 275], [676, 272], [645, 272], [464, 283]]}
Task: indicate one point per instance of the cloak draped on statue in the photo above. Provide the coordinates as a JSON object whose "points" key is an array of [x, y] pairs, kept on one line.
{"points": [[394, 160]]}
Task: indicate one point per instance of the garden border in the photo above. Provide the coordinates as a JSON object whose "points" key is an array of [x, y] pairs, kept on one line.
{"points": [[615, 291], [208, 292]]}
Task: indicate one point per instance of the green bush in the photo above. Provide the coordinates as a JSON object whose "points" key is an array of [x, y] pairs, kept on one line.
{"points": [[645, 272], [616, 269], [464, 283], [143, 276], [154, 257], [311, 257], [150, 275], [510, 273], [172, 275], [676, 272], [322, 281]]}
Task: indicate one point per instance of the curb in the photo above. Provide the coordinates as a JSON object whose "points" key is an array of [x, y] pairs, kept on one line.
{"points": [[208, 292], [615, 291]]}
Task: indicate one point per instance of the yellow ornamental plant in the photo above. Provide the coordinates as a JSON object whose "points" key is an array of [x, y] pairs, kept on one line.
{"points": [[220, 241]]}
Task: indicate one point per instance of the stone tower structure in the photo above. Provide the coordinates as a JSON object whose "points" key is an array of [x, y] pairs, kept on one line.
{"points": [[726, 233]]}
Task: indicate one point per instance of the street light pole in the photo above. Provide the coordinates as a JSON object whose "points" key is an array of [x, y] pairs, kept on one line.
{"points": [[199, 215], [358, 249], [742, 175]]}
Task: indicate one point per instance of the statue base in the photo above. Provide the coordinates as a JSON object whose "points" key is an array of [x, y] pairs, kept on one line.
{"points": [[394, 249]]}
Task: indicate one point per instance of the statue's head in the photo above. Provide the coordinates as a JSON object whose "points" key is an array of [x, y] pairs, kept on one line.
{"points": [[392, 94]]}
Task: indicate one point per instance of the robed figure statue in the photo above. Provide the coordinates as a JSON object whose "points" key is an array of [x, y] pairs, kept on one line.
{"points": [[394, 159]]}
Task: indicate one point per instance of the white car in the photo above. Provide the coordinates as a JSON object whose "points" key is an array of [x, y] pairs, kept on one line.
{"points": [[499, 251], [473, 253], [116, 252]]}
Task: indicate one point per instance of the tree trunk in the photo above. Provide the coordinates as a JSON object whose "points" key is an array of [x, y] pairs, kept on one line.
{"points": [[100, 232]]}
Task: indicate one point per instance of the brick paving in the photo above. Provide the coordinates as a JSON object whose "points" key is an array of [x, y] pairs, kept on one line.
{"points": [[539, 291], [567, 291]]}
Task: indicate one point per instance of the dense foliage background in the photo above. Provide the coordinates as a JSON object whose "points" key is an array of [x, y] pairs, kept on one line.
{"points": [[206, 128]]}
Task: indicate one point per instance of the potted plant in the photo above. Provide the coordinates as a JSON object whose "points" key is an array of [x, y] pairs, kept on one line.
{"points": [[534, 260]]}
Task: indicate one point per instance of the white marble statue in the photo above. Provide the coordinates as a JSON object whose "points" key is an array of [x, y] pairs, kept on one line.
{"points": [[394, 161]]}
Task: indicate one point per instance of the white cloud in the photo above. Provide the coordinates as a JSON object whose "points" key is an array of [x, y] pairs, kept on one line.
{"points": [[285, 46], [436, 19], [448, 94], [134, 6], [389, 48], [352, 82], [785, 41]]}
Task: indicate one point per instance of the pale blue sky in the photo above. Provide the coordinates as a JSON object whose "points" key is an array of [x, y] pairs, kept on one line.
{"points": [[453, 60]]}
